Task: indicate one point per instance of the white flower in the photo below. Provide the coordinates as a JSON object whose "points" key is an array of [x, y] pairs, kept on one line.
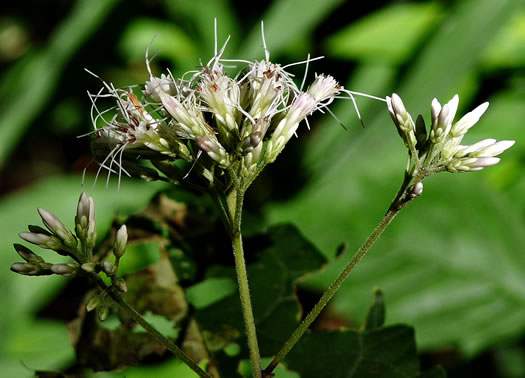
{"points": [[442, 149]]}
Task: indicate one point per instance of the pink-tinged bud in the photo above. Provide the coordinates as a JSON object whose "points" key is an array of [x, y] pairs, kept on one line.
{"points": [[42, 240], [58, 228]]}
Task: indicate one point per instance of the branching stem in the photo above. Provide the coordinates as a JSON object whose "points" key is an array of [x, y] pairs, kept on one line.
{"points": [[400, 201]]}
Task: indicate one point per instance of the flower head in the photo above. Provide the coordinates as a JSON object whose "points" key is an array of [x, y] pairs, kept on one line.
{"points": [[442, 149], [226, 118]]}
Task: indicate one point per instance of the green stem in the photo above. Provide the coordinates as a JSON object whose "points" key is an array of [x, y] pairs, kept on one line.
{"points": [[399, 202], [242, 278], [133, 314]]}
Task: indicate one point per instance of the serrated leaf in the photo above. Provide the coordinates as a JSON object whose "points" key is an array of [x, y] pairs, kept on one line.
{"points": [[383, 353]]}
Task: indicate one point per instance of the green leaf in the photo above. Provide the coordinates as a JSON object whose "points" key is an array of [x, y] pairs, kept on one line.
{"points": [[373, 352], [165, 326], [384, 353], [461, 40], [35, 344], [170, 41], [284, 22], [40, 71], [209, 291], [376, 313], [201, 15], [391, 33], [506, 50]]}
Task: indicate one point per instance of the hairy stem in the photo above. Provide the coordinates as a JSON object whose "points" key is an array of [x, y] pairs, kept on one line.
{"points": [[400, 201], [133, 314], [242, 278]]}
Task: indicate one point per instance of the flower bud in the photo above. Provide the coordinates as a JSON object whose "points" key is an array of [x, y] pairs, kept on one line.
{"points": [[66, 270], [27, 254], [89, 267], [102, 312], [26, 269], [58, 228], [415, 190], [109, 268], [121, 241], [43, 240], [85, 222], [120, 284], [93, 302]]}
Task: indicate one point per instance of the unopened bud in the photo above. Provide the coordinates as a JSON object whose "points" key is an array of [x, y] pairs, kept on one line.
{"points": [[58, 228], [93, 302], [43, 240], [121, 241], [26, 269], [66, 270], [89, 267], [102, 312], [109, 268], [120, 284], [27, 254], [415, 190]]}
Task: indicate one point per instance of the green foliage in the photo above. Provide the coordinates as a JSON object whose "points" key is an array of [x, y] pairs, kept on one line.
{"points": [[40, 72], [452, 264], [392, 33], [434, 265], [374, 351]]}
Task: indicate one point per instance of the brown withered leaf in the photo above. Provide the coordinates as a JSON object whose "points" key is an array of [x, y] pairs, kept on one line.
{"points": [[181, 220]]}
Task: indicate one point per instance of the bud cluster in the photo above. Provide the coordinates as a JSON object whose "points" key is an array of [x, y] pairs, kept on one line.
{"points": [[230, 118], [441, 150], [59, 238]]}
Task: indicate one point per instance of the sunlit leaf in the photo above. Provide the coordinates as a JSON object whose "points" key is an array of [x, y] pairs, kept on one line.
{"points": [[285, 21], [170, 41], [389, 34]]}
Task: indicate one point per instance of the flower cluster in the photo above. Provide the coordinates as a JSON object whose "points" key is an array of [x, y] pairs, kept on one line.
{"points": [[441, 148], [235, 122], [60, 239]]}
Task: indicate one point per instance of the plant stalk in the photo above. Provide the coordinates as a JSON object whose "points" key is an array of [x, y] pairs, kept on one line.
{"points": [[133, 314], [242, 278], [399, 202]]}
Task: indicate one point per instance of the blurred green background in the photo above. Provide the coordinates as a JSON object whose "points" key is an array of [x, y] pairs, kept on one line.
{"points": [[452, 264]]}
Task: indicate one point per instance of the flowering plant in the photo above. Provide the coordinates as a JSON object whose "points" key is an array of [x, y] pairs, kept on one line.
{"points": [[215, 132]]}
